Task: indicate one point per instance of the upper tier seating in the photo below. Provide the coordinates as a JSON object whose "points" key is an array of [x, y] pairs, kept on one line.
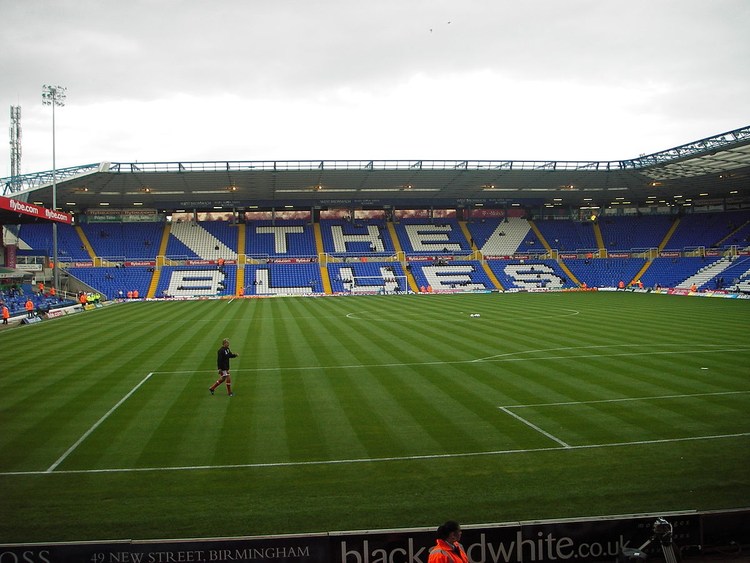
{"points": [[206, 240], [568, 236], [707, 229], [633, 233], [38, 236], [422, 237], [120, 242], [356, 237], [498, 237], [280, 238]]}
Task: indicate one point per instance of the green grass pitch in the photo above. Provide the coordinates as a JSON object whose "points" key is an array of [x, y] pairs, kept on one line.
{"points": [[371, 412]]}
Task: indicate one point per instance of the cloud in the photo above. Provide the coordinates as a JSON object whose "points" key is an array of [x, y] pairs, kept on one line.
{"points": [[337, 79]]}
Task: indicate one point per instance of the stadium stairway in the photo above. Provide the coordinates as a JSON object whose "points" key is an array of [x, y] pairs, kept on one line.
{"points": [[639, 275], [548, 248], [85, 242], [485, 265], [467, 234], [669, 234], [399, 251], [661, 247], [240, 282], [157, 271], [491, 275], [730, 235], [324, 277], [599, 239]]}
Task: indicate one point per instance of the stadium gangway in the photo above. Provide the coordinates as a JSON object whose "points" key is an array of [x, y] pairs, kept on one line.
{"points": [[109, 260], [650, 253]]}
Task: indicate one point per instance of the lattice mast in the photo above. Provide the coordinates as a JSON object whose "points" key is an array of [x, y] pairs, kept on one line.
{"points": [[15, 144]]}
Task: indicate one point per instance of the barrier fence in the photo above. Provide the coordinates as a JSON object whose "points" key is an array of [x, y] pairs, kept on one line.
{"points": [[580, 540]]}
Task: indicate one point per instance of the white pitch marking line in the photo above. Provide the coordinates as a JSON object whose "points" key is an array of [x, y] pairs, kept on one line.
{"points": [[626, 399], [373, 460], [567, 348], [88, 432], [535, 427], [492, 359]]}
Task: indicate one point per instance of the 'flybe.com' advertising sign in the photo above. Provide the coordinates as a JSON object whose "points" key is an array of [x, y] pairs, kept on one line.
{"points": [[31, 210]]}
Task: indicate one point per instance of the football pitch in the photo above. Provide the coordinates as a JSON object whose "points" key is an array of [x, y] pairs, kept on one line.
{"points": [[371, 412]]}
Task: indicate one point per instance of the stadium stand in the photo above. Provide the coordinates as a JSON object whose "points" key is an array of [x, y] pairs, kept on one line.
{"points": [[111, 280], [36, 238], [283, 279], [673, 271], [208, 240], [709, 230], [534, 274], [356, 237], [605, 272], [197, 281], [280, 238], [443, 236], [566, 235], [118, 242], [282, 255], [15, 299], [496, 237], [455, 275], [368, 276], [634, 233]]}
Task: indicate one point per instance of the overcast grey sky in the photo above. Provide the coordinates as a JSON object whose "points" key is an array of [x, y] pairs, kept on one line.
{"points": [[168, 80]]}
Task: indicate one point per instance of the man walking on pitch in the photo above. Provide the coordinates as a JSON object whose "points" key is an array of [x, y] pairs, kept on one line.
{"points": [[222, 363]]}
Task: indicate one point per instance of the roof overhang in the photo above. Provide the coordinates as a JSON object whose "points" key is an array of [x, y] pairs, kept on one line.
{"points": [[716, 169]]}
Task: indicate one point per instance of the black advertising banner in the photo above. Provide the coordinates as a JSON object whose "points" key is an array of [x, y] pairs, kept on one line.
{"points": [[309, 549], [582, 541]]}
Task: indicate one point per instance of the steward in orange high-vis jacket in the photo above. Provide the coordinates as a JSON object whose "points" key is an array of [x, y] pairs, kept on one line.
{"points": [[447, 548]]}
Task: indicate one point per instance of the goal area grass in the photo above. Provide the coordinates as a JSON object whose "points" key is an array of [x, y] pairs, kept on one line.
{"points": [[371, 412]]}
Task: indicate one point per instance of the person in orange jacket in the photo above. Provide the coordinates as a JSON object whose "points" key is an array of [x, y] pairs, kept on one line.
{"points": [[6, 314], [29, 308], [447, 549]]}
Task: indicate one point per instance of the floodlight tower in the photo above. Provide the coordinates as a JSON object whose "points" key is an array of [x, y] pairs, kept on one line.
{"points": [[15, 147], [54, 96]]}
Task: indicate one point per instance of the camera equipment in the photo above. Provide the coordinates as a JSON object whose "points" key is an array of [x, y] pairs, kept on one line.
{"points": [[661, 535]]}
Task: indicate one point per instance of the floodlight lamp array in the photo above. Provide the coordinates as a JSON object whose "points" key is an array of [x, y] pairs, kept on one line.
{"points": [[53, 95]]}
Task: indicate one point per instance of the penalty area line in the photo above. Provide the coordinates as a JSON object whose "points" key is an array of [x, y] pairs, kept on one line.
{"points": [[88, 432], [425, 457], [535, 427]]}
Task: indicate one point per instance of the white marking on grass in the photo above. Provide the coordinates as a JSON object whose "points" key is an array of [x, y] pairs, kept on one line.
{"points": [[88, 432], [371, 316], [535, 427], [568, 348], [490, 359], [656, 397], [425, 457]]}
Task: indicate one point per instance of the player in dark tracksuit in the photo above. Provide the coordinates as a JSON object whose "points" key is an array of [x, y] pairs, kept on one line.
{"points": [[222, 364]]}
